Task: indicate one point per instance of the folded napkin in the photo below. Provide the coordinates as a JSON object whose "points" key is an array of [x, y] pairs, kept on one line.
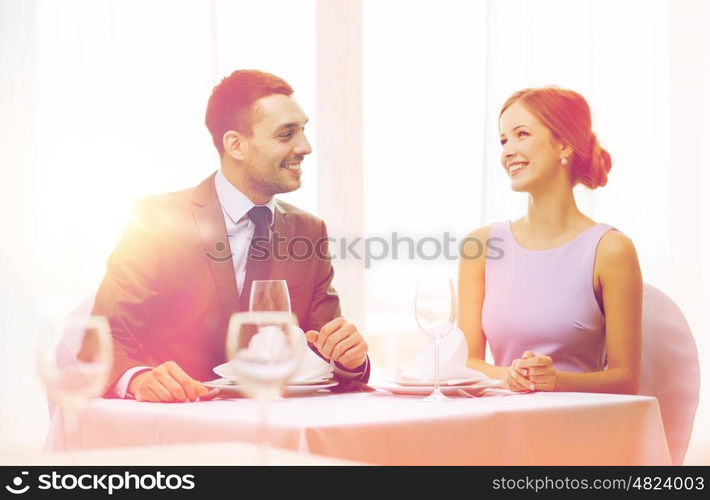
{"points": [[312, 367], [267, 342], [453, 353]]}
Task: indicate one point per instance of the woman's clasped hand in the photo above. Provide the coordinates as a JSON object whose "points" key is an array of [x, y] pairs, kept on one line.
{"points": [[531, 373]]}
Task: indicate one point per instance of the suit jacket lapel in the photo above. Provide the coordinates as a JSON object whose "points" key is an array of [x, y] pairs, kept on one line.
{"points": [[209, 218]]}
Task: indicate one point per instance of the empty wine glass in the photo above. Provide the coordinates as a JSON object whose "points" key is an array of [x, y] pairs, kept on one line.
{"points": [[269, 295], [74, 358], [435, 310], [264, 349]]}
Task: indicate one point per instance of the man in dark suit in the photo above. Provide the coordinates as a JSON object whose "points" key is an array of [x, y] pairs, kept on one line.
{"points": [[186, 261]]}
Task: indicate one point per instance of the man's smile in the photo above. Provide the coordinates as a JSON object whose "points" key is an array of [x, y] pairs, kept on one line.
{"points": [[292, 166]]}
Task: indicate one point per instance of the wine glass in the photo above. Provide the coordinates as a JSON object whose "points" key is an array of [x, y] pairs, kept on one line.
{"points": [[435, 310], [263, 349], [74, 358], [269, 295]]}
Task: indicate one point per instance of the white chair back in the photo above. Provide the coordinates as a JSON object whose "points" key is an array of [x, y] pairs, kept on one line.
{"points": [[66, 355], [670, 370]]}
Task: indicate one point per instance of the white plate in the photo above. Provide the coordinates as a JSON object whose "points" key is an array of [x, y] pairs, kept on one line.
{"points": [[442, 383], [224, 372], [424, 390], [317, 381], [228, 387]]}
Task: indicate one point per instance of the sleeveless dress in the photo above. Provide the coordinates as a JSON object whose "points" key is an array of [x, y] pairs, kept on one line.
{"points": [[543, 301]]}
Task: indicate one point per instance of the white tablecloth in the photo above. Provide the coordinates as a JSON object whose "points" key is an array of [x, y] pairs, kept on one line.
{"points": [[174, 455], [379, 428]]}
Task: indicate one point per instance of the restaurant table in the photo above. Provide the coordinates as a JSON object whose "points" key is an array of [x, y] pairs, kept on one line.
{"points": [[381, 428]]}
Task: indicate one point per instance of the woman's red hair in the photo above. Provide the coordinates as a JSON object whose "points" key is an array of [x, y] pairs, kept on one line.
{"points": [[566, 113]]}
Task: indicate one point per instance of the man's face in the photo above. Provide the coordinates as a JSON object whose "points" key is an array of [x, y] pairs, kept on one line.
{"points": [[276, 147]]}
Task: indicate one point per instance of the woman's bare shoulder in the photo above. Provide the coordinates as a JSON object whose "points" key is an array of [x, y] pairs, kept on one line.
{"points": [[480, 233], [615, 250], [473, 248]]}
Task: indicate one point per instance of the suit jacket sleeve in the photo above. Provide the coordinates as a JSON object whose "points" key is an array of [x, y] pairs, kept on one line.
{"points": [[129, 290], [325, 304]]}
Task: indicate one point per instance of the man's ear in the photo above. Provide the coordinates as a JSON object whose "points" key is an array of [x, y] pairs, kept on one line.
{"points": [[234, 144]]}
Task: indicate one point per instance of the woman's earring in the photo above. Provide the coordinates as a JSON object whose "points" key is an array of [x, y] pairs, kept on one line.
{"points": [[564, 161]]}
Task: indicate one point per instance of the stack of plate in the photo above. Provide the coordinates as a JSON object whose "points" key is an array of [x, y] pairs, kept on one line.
{"points": [[300, 383]]}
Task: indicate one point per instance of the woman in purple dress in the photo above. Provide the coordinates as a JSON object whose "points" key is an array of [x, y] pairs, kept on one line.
{"points": [[557, 296]]}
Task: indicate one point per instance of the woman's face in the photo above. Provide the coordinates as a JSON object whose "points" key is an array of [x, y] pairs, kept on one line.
{"points": [[531, 156]]}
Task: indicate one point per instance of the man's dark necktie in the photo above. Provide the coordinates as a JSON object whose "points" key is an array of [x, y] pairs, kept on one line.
{"points": [[259, 252]]}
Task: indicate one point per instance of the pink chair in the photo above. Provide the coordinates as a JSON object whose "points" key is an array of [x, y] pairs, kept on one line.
{"points": [[670, 370]]}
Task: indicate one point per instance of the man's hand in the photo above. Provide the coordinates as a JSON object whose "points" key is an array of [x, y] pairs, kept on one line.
{"points": [[167, 383], [340, 341]]}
